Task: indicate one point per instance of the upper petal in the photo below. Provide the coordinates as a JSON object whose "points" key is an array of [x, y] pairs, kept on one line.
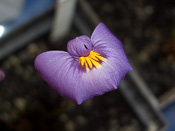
{"points": [[80, 46]]}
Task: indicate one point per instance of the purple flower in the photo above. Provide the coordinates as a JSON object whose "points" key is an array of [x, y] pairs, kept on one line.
{"points": [[90, 68]]}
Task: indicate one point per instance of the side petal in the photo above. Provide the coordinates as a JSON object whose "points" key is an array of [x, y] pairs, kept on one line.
{"points": [[107, 44], [102, 33], [58, 69]]}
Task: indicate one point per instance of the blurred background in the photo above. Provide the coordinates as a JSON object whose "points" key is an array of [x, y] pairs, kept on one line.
{"points": [[145, 100]]}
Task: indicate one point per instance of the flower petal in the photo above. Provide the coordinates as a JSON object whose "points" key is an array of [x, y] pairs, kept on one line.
{"points": [[80, 46], [94, 83], [62, 72], [58, 69], [99, 81], [102, 33], [107, 44]]}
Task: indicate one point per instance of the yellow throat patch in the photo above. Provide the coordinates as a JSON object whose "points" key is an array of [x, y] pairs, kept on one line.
{"points": [[94, 59]]}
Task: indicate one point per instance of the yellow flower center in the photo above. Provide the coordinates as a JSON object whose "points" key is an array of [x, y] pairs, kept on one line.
{"points": [[94, 59]]}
